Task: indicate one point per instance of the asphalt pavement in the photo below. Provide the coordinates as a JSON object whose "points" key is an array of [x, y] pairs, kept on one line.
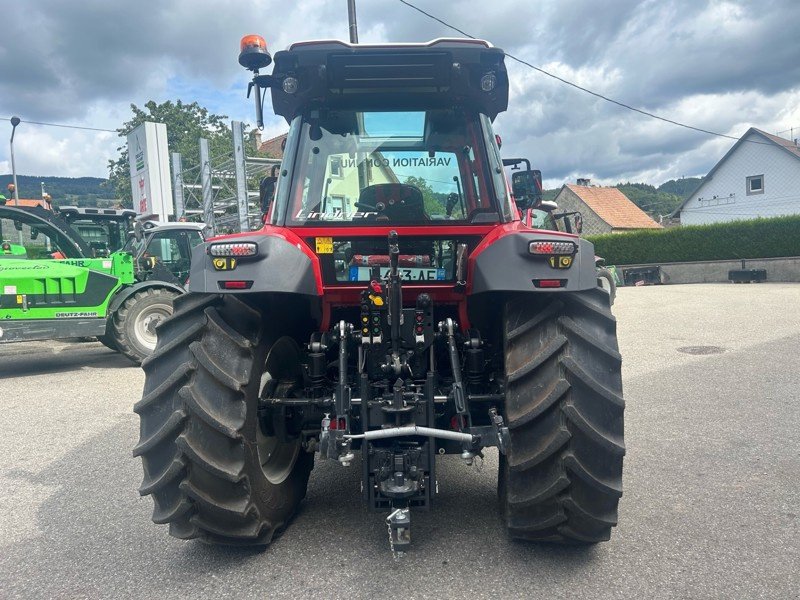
{"points": [[710, 507]]}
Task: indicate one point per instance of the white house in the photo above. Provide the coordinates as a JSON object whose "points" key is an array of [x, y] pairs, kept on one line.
{"points": [[758, 177]]}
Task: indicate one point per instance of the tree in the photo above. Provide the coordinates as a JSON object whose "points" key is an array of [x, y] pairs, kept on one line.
{"points": [[186, 124], [650, 200], [680, 187], [434, 202]]}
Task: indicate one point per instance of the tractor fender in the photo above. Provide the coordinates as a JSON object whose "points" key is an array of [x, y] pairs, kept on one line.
{"points": [[127, 291], [507, 265], [282, 264]]}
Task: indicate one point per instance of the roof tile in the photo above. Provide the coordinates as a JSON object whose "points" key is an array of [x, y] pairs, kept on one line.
{"points": [[30, 202], [274, 146], [614, 207], [788, 144]]}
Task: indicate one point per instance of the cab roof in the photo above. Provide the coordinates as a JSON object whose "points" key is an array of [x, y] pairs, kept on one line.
{"points": [[440, 74]]}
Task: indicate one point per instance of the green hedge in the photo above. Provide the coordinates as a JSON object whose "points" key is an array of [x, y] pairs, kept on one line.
{"points": [[757, 238]]}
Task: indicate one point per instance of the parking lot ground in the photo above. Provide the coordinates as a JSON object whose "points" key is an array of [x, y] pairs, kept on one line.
{"points": [[711, 505]]}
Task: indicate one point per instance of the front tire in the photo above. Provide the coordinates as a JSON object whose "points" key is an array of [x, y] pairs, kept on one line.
{"points": [[605, 279], [133, 325], [214, 471], [562, 478]]}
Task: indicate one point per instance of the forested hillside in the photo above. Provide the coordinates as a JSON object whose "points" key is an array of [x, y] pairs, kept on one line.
{"points": [[84, 191]]}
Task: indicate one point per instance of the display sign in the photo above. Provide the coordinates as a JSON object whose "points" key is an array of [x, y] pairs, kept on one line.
{"points": [[148, 156]]}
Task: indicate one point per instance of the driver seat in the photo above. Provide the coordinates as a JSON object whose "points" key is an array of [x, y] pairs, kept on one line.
{"points": [[402, 203]]}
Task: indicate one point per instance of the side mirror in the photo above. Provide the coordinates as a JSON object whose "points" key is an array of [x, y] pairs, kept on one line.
{"points": [[266, 191], [573, 221], [547, 205], [527, 188]]}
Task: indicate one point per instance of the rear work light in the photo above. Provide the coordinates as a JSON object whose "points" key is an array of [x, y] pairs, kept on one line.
{"points": [[550, 248], [235, 249]]}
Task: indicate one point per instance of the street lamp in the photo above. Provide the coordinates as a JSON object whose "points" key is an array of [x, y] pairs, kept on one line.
{"points": [[14, 122]]}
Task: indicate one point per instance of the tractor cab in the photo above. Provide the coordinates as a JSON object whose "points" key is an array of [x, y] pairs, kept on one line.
{"points": [[163, 250], [388, 136], [104, 229]]}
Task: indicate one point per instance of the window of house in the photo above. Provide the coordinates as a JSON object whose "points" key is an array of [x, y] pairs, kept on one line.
{"points": [[339, 205], [755, 185], [336, 166]]}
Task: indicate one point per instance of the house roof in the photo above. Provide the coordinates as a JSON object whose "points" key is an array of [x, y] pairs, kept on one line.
{"points": [[274, 146], [29, 202], [613, 207], [787, 145]]}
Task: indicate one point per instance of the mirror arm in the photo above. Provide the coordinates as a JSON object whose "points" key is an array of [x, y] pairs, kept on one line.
{"points": [[260, 82], [513, 162]]}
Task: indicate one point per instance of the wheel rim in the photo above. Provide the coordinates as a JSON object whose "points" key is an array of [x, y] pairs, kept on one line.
{"points": [[145, 326], [280, 379]]}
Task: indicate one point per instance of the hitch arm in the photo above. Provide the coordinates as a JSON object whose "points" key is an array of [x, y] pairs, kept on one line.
{"points": [[459, 396], [395, 294]]}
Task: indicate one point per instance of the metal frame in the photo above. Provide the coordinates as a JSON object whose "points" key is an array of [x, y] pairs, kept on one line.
{"points": [[222, 190]]}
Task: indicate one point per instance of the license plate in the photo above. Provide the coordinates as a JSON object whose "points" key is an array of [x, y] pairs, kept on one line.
{"points": [[407, 273]]}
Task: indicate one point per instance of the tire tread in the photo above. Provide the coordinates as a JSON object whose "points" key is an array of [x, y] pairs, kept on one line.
{"points": [[562, 478]]}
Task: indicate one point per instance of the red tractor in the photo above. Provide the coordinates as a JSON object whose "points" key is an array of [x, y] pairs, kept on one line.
{"points": [[397, 305]]}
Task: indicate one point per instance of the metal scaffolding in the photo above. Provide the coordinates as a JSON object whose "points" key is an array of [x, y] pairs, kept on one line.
{"points": [[222, 190]]}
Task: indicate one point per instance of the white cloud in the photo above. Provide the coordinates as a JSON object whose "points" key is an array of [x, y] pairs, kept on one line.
{"points": [[722, 65]]}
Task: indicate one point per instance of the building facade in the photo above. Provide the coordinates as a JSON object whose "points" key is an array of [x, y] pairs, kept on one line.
{"points": [[602, 209], [758, 177]]}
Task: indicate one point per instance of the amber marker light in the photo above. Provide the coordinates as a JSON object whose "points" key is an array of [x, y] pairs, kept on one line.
{"points": [[253, 53]]}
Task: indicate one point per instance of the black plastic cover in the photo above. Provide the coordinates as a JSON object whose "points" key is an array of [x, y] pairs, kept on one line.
{"points": [[279, 266], [440, 74], [508, 266]]}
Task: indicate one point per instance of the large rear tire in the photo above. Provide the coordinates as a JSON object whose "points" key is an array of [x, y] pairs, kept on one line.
{"points": [[214, 471], [562, 478]]}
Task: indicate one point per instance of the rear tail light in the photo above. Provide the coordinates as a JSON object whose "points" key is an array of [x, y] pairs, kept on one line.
{"points": [[549, 283], [550, 248], [235, 285], [235, 249]]}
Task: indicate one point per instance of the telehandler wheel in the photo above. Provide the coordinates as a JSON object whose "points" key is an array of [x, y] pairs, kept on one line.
{"points": [[215, 470], [562, 478], [605, 280], [133, 325], [108, 341]]}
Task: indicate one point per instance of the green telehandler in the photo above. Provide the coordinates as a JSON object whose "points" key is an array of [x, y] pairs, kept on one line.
{"points": [[54, 285]]}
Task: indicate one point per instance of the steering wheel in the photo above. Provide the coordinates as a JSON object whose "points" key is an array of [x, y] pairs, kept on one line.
{"points": [[378, 207]]}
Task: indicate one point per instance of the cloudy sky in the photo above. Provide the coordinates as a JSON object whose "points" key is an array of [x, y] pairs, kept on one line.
{"points": [[719, 65]]}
